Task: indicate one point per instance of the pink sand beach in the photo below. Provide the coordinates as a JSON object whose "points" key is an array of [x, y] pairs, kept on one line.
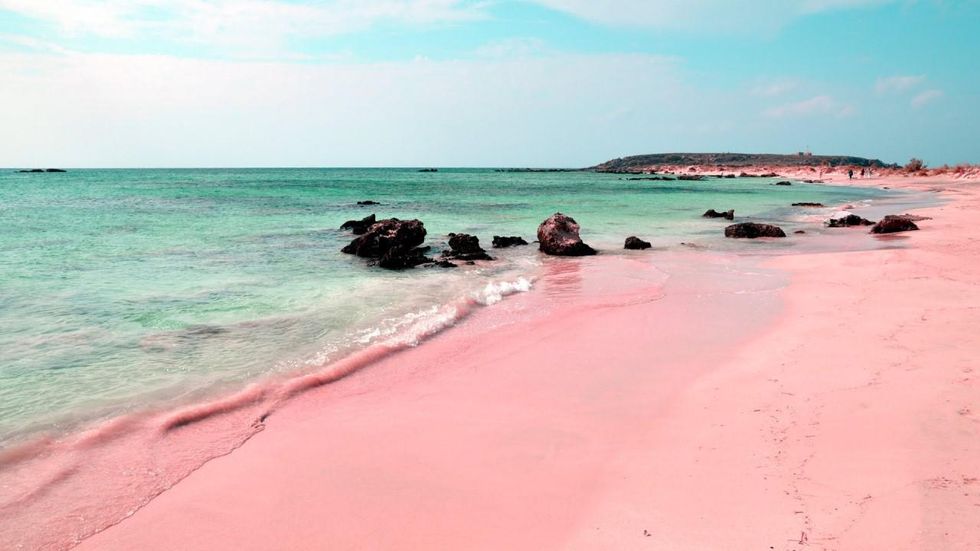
{"points": [[814, 400]]}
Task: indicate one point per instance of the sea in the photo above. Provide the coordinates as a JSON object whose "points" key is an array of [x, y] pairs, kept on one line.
{"points": [[122, 290]]}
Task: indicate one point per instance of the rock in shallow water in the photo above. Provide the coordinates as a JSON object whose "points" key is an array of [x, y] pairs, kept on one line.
{"points": [[395, 243], [559, 236], [464, 246], [636, 244], [500, 242], [359, 227], [848, 221], [752, 230], [712, 213]]}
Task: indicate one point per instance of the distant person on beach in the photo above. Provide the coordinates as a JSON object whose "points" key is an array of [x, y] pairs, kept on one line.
{"points": [[850, 174], [862, 173]]}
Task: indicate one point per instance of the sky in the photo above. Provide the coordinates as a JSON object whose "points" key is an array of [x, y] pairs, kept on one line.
{"points": [[538, 83]]}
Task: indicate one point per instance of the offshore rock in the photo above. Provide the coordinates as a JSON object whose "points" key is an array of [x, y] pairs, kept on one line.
{"points": [[500, 242], [359, 227], [636, 244], [712, 213]]}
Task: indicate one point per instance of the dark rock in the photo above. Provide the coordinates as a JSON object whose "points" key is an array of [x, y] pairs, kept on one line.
{"points": [[559, 235], [894, 223], [401, 258], [500, 242], [465, 247], [799, 232], [443, 264], [428, 170], [55, 170], [393, 242], [691, 177], [359, 227], [783, 183], [808, 204], [729, 176], [367, 203], [848, 221], [769, 175], [32, 170], [751, 230], [712, 213], [635, 243]]}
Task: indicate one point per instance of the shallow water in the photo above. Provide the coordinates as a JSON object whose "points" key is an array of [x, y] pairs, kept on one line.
{"points": [[124, 289]]}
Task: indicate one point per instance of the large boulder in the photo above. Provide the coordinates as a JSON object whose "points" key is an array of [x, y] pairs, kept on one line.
{"points": [[393, 242], [500, 242], [712, 213], [894, 223], [464, 246], [848, 221], [359, 227], [558, 235], [752, 230], [636, 244]]}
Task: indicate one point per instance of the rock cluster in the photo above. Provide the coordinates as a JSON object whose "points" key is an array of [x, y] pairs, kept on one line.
{"points": [[463, 246], [359, 227], [394, 244]]}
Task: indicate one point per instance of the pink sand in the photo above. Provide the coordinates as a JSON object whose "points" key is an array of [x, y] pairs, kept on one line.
{"points": [[838, 412]]}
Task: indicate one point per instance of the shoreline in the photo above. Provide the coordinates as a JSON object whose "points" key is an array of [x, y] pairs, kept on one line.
{"points": [[769, 475], [603, 286]]}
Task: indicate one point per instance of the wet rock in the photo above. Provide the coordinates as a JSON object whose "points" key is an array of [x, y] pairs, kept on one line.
{"points": [[804, 204], [359, 227], [691, 177], [464, 246], [712, 213], [501, 242], [799, 232], [428, 170], [393, 242], [55, 170], [752, 230], [783, 183], [636, 244], [848, 221], [443, 264], [894, 223], [367, 203], [559, 235]]}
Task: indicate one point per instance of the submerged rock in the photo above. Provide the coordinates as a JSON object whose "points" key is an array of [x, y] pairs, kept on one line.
{"points": [[359, 227], [712, 213], [500, 242], [367, 203], [635, 243], [848, 221], [808, 204], [692, 177], [393, 242], [894, 223], [559, 236], [464, 246], [783, 183], [752, 230]]}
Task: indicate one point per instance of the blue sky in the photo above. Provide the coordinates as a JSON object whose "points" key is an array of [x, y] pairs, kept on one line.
{"points": [[482, 83]]}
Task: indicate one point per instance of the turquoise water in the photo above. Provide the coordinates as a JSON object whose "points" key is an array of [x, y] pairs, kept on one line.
{"points": [[122, 289]]}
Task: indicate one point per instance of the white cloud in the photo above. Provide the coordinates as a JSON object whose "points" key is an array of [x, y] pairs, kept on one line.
{"points": [[775, 88], [815, 106], [116, 110], [249, 26], [899, 83], [711, 14], [926, 98], [513, 47]]}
